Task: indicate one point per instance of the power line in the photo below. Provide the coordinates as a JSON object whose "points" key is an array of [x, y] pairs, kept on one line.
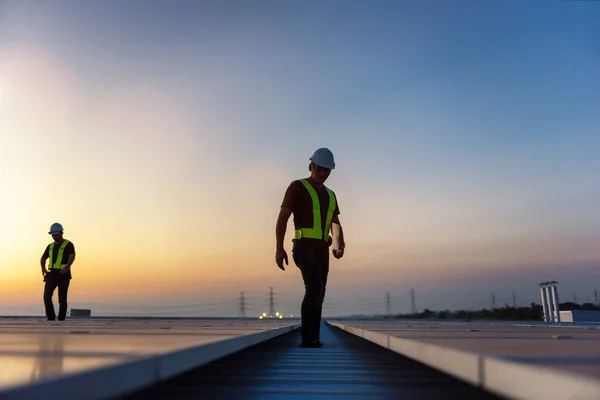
{"points": [[388, 303], [171, 313], [271, 302], [413, 306], [242, 305], [125, 305]]}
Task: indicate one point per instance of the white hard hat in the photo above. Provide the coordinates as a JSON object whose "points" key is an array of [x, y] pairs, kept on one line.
{"points": [[323, 157], [55, 228]]}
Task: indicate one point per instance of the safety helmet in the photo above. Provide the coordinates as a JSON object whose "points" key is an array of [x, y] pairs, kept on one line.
{"points": [[323, 157], [55, 228]]}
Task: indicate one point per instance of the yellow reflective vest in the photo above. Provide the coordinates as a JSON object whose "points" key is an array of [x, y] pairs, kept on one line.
{"points": [[316, 232], [57, 264]]}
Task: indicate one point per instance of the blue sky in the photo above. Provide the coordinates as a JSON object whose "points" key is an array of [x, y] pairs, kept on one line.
{"points": [[465, 132]]}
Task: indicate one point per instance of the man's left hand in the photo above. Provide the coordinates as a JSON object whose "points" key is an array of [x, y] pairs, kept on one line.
{"points": [[64, 270]]}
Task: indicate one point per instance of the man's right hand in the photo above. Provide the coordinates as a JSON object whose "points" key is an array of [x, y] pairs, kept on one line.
{"points": [[281, 255]]}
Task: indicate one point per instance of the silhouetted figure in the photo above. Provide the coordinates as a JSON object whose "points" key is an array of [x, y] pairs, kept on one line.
{"points": [[61, 254], [316, 213]]}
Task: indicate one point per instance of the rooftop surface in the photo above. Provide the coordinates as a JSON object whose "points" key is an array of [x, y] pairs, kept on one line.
{"points": [[517, 360], [108, 356], [101, 358]]}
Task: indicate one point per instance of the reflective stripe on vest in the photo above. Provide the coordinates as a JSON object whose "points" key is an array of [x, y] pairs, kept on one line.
{"points": [[56, 264], [316, 232]]}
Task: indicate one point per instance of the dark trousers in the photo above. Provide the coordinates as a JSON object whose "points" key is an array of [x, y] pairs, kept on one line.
{"points": [[53, 280], [313, 261]]}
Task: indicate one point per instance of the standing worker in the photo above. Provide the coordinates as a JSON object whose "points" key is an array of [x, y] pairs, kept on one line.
{"points": [[316, 211], [61, 253]]}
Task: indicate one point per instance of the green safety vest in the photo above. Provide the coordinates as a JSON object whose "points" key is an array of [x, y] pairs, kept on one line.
{"points": [[316, 232], [56, 264]]}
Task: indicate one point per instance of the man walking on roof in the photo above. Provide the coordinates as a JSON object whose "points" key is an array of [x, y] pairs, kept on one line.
{"points": [[61, 254], [316, 213]]}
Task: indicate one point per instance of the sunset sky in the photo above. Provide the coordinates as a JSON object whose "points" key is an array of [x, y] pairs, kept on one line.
{"points": [[163, 135]]}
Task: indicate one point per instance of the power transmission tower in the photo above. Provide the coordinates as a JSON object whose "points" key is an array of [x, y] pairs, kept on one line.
{"points": [[388, 303], [575, 298], [271, 302], [514, 300], [493, 301], [596, 296], [413, 306], [242, 305]]}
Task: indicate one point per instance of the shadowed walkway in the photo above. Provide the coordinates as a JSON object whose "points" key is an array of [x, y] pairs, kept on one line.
{"points": [[347, 367]]}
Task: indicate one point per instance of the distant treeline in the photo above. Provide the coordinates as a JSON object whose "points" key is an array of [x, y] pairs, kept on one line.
{"points": [[531, 313]]}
